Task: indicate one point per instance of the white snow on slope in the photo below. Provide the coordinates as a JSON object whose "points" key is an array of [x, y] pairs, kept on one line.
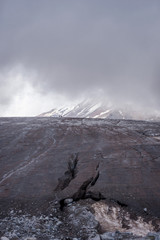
{"points": [[98, 109]]}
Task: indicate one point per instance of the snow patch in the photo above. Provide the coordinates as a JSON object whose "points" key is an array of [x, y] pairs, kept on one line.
{"points": [[113, 218]]}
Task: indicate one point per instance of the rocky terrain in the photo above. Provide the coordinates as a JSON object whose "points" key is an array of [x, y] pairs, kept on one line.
{"points": [[64, 178], [77, 221]]}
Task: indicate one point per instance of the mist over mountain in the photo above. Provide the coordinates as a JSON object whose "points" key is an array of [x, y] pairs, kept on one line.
{"points": [[91, 108], [60, 51]]}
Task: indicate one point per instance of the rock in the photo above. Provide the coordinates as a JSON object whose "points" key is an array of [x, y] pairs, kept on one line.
{"points": [[107, 236], [153, 236], [30, 238], [68, 201], [4, 238], [82, 218], [97, 237]]}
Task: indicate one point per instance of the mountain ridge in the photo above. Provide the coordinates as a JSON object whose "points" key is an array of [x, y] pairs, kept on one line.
{"points": [[98, 109]]}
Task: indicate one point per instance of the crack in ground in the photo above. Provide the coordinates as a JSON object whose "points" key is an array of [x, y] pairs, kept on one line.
{"points": [[70, 174], [83, 191]]}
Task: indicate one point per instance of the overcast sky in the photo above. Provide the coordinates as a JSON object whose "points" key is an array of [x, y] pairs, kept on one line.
{"points": [[55, 52]]}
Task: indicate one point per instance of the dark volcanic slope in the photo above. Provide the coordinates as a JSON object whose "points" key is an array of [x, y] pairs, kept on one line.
{"points": [[45, 159]]}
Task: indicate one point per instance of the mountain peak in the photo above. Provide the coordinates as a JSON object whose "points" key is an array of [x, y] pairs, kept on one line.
{"points": [[93, 108]]}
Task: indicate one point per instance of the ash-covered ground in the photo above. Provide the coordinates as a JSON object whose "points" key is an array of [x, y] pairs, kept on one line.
{"points": [[79, 179]]}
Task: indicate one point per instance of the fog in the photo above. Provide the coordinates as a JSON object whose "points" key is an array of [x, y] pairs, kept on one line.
{"points": [[55, 52]]}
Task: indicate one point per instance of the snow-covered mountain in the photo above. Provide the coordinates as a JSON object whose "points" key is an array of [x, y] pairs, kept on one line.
{"points": [[94, 109], [85, 109]]}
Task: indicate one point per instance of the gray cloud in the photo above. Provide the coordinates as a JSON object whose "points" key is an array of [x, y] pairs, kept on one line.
{"points": [[78, 47]]}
